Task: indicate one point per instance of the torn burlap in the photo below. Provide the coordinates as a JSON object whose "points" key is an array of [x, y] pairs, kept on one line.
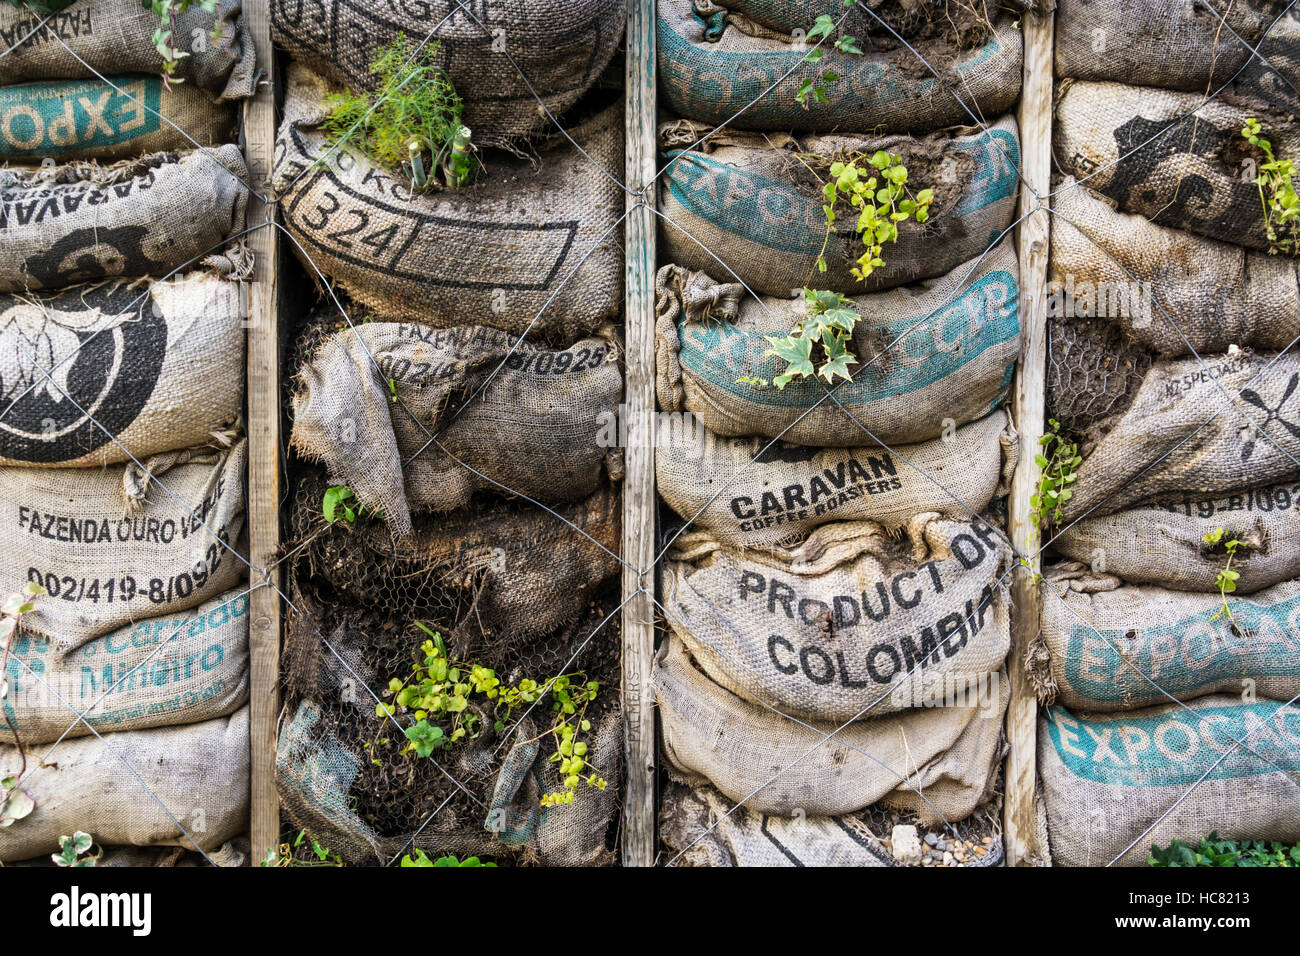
{"points": [[505, 250], [947, 754], [936, 354], [96, 374], [370, 398], [749, 495], [850, 625], [148, 216], [754, 201]]}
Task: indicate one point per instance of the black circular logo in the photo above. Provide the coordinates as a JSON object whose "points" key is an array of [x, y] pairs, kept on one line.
{"points": [[103, 350]]}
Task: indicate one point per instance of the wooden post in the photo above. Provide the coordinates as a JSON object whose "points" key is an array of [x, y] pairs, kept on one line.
{"points": [[639, 484], [263, 444], [1020, 832]]}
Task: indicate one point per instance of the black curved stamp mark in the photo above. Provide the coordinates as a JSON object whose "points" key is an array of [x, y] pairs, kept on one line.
{"points": [[117, 346], [94, 253]]}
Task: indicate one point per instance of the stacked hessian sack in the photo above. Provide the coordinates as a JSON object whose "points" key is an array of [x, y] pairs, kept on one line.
{"points": [[1174, 320], [122, 462], [839, 567], [463, 419]]}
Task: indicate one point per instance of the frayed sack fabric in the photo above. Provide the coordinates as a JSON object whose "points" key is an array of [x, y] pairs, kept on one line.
{"points": [[698, 828], [1118, 647], [909, 18], [749, 495], [176, 669], [933, 355], [95, 375], [199, 773], [561, 47], [1169, 290], [112, 546], [939, 764], [515, 569], [1107, 779], [1178, 45], [1133, 145], [150, 216], [551, 263], [372, 397], [1163, 541], [853, 623], [1170, 440], [711, 69], [751, 200], [128, 116], [107, 36]]}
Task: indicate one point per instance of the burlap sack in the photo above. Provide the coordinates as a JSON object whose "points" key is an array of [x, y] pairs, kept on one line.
{"points": [[746, 496], [949, 754], [480, 250], [909, 18], [1196, 174], [149, 216], [1276, 79], [109, 36], [199, 773], [158, 367], [1178, 45], [176, 669], [1107, 779], [561, 47], [112, 546], [372, 398], [747, 199], [1158, 445], [315, 771], [90, 119], [1169, 290], [930, 356], [709, 73], [1117, 647], [697, 830], [850, 625], [1163, 541], [509, 570]]}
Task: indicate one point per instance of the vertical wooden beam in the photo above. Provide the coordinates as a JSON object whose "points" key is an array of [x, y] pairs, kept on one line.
{"points": [[263, 443], [639, 483], [1020, 831]]}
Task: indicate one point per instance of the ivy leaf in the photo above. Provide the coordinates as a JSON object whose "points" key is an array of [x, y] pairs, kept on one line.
{"points": [[796, 353]]}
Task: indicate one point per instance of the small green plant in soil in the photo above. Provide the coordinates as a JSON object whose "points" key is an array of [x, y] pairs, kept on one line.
{"points": [[1215, 852], [1058, 460], [440, 694], [1226, 579], [76, 850], [814, 88], [304, 851], [340, 501], [420, 858], [412, 122], [1277, 194], [874, 188]]}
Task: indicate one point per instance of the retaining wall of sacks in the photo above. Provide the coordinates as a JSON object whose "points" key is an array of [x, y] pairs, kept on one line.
{"points": [[126, 279]]}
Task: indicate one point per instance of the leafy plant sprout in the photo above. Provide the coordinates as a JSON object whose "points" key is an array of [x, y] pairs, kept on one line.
{"points": [[440, 695], [1226, 579], [413, 122], [15, 803], [75, 850], [287, 854], [340, 497], [1058, 460], [1215, 852], [1277, 194]]}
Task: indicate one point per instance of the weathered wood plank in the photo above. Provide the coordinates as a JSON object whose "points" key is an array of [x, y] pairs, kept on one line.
{"points": [[264, 444], [639, 483], [1021, 833]]}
